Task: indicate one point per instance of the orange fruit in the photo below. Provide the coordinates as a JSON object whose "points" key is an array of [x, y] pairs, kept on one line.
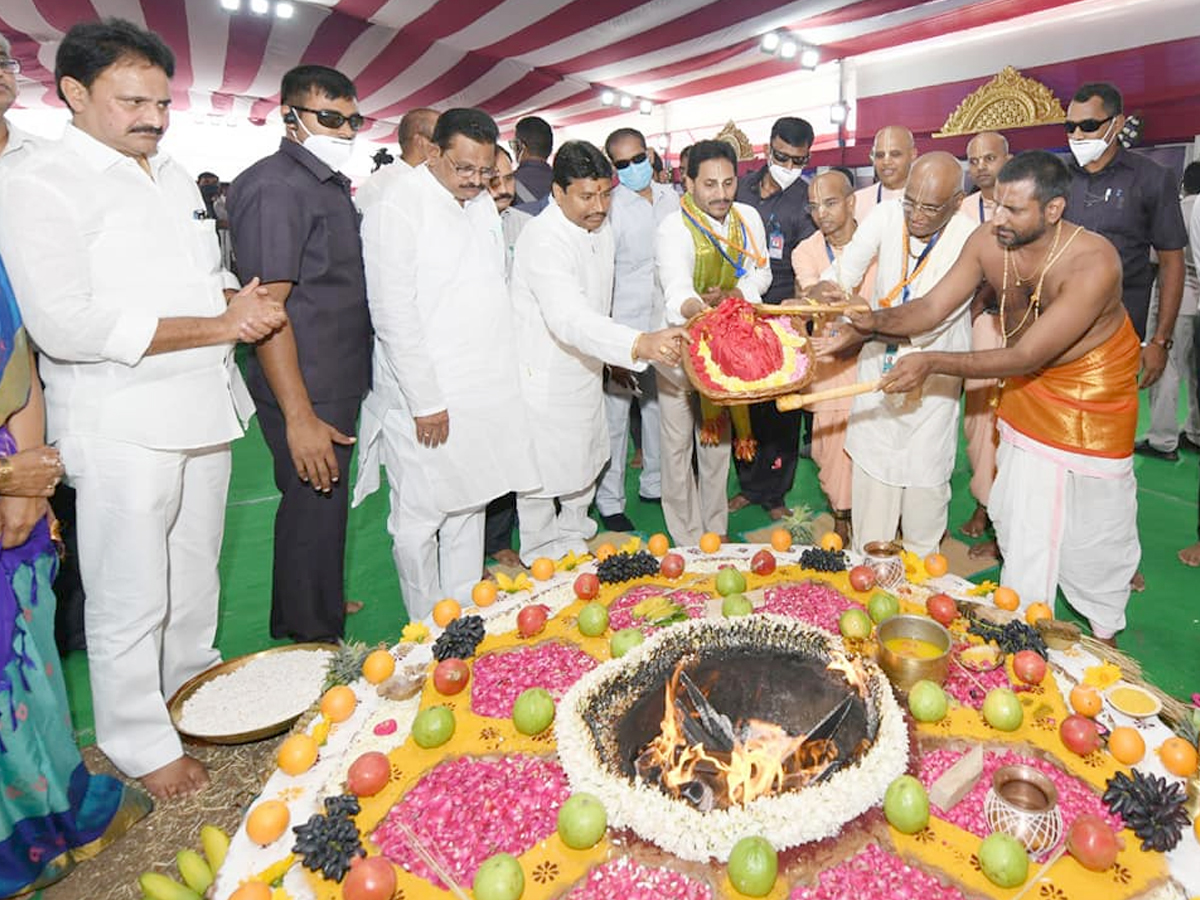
{"points": [[542, 568], [658, 544], [267, 821], [1037, 612], [832, 541], [936, 565], [710, 542], [781, 540], [252, 890], [605, 550], [1085, 700], [378, 666], [1127, 745], [1006, 598], [337, 703], [296, 754], [484, 593], [446, 611], [1179, 757]]}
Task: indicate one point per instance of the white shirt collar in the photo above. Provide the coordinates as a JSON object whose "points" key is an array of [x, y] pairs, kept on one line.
{"points": [[100, 156]]}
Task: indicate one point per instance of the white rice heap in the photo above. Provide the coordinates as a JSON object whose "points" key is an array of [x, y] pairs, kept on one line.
{"points": [[263, 692]]}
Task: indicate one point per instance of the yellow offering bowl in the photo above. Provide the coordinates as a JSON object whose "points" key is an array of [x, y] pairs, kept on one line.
{"points": [[904, 670]]}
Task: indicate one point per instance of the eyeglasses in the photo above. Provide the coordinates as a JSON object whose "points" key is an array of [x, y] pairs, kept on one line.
{"points": [[925, 209], [487, 173], [1087, 125], [636, 160], [11, 66], [784, 158], [332, 119]]}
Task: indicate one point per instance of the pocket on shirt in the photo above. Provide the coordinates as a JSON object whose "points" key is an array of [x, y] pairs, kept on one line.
{"points": [[206, 249]]}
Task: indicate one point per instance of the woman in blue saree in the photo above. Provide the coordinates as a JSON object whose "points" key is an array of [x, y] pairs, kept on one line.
{"points": [[53, 812]]}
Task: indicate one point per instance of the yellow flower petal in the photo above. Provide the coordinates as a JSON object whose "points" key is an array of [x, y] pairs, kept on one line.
{"points": [[415, 633], [632, 545]]}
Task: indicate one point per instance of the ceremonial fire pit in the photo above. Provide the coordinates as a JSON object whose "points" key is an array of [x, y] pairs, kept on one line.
{"points": [[717, 729]]}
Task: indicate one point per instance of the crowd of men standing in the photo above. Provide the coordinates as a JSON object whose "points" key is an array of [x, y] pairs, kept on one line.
{"points": [[481, 325]]}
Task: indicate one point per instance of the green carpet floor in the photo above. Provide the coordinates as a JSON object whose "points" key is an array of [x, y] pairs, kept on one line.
{"points": [[1164, 621]]}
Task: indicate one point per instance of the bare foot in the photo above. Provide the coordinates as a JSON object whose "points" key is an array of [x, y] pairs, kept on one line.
{"points": [[1137, 584], [1108, 641], [1190, 556], [507, 558], [180, 778], [984, 550], [778, 512], [841, 527], [978, 523], [353, 606], [738, 501]]}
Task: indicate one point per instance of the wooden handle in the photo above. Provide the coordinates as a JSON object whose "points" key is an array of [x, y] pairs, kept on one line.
{"points": [[809, 309], [789, 402]]}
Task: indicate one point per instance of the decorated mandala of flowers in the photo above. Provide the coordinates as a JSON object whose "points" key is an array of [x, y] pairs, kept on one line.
{"points": [[497, 679]]}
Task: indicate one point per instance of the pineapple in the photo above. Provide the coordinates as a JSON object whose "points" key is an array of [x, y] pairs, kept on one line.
{"points": [[800, 524], [345, 666]]}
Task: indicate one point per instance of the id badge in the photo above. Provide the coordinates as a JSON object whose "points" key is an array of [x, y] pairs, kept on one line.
{"points": [[890, 354], [775, 245]]}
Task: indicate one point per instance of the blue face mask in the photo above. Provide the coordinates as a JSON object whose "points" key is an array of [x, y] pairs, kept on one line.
{"points": [[636, 176]]}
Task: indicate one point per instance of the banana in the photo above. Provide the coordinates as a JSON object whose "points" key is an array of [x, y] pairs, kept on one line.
{"points": [[216, 845], [195, 871], [160, 887]]}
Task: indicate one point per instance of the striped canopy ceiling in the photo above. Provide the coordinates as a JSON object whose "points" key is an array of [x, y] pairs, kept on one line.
{"points": [[510, 57]]}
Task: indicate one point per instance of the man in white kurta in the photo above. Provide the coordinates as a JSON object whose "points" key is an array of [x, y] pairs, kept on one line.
{"points": [[695, 502], [453, 433], [892, 154], [903, 446], [415, 136], [562, 295], [121, 287]]}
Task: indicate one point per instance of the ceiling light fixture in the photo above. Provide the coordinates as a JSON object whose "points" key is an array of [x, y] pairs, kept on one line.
{"points": [[260, 7], [839, 112], [231, 5], [787, 49], [646, 107], [770, 42], [284, 10], [626, 101], [810, 57], [608, 98]]}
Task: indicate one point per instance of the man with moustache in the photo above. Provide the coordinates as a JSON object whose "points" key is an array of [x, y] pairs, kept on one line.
{"points": [[562, 296], [892, 155], [831, 200], [987, 153], [120, 284], [295, 227], [16, 144], [903, 447], [415, 137], [453, 433], [1065, 500]]}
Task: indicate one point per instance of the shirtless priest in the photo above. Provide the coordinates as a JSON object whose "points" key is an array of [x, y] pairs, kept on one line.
{"points": [[1064, 503]]}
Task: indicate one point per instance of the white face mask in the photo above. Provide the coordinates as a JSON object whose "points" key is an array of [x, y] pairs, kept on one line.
{"points": [[335, 152], [785, 178], [1089, 150]]}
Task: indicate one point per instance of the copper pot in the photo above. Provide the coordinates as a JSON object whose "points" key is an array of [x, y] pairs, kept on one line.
{"points": [[1023, 802]]}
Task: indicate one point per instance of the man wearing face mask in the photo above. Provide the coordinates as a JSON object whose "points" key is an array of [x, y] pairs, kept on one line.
{"points": [[639, 204], [1134, 202], [295, 227], [780, 196]]}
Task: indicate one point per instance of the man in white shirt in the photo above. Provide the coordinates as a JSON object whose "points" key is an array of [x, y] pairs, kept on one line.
{"points": [[454, 435], [15, 144], [415, 135], [119, 279], [903, 446], [713, 249], [639, 204], [892, 154], [562, 296], [1190, 555]]}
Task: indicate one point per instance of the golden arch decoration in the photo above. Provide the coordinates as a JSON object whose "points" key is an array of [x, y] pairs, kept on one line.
{"points": [[1010, 100], [737, 139]]}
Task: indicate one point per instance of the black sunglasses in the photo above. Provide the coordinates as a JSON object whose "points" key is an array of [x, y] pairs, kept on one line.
{"points": [[331, 118], [636, 159], [784, 158], [1086, 125]]}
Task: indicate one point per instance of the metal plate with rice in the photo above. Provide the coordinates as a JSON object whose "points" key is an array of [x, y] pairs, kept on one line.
{"points": [[269, 704]]}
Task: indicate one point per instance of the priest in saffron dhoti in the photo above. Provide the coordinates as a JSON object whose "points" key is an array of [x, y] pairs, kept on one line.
{"points": [[903, 447], [1064, 502], [562, 285], [713, 249]]}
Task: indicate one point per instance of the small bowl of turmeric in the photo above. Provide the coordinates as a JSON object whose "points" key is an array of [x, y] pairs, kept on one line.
{"points": [[1133, 700]]}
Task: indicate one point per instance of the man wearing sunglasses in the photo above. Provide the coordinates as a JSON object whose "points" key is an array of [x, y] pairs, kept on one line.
{"points": [[295, 227], [780, 196], [1134, 202], [15, 144]]}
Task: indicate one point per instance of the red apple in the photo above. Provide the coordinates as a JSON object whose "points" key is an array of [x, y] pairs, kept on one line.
{"points": [[763, 563], [1079, 734], [368, 774], [370, 878], [942, 609], [531, 620], [587, 586], [1029, 666], [450, 676], [862, 578], [671, 565], [1093, 843]]}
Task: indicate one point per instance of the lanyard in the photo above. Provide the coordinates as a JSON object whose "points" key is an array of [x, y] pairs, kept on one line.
{"points": [[738, 269], [879, 193], [902, 290], [829, 251], [981, 218]]}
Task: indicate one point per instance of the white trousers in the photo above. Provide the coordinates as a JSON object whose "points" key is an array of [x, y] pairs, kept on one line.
{"points": [[692, 504], [610, 494], [547, 533], [437, 554], [1180, 372], [150, 524], [1066, 520], [877, 510]]}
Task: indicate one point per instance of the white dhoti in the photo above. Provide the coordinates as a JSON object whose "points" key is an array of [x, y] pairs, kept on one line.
{"points": [[545, 532], [878, 509], [1066, 520], [694, 501], [610, 493], [150, 528]]}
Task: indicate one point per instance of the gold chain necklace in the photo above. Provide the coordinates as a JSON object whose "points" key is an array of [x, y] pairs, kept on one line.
{"points": [[1035, 299]]}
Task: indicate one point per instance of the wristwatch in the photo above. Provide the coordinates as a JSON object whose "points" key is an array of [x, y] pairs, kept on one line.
{"points": [[1165, 343]]}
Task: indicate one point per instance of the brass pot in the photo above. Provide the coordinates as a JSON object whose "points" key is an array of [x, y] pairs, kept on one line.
{"points": [[905, 671], [884, 559], [1023, 802]]}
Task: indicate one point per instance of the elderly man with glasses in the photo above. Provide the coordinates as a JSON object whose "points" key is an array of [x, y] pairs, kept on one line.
{"points": [[295, 227], [15, 144]]}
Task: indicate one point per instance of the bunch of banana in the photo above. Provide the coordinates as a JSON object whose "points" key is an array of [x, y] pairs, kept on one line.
{"points": [[197, 871]]}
